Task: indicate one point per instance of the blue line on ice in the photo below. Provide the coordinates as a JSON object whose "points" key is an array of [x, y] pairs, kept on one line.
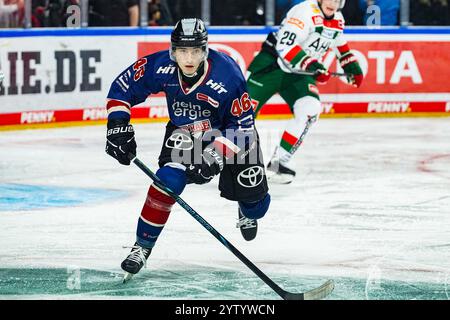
{"points": [[14, 197]]}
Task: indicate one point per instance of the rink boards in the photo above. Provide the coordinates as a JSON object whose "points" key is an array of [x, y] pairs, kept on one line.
{"points": [[63, 76]]}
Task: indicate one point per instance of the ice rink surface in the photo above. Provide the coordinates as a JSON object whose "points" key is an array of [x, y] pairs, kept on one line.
{"points": [[370, 208]]}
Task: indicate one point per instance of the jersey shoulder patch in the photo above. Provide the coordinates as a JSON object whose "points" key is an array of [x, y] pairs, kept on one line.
{"points": [[163, 65], [300, 15], [314, 8]]}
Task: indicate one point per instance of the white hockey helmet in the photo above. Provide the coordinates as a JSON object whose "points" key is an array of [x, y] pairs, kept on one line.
{"points": [[341, 4]]}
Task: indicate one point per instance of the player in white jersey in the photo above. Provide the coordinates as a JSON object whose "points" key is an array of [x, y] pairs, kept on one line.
{"points": [[210, 133], [290, 63]]}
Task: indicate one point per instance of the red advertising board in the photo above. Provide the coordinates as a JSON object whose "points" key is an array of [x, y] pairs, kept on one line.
{"points": [[400, 77], [390, 67], [403, 76]]}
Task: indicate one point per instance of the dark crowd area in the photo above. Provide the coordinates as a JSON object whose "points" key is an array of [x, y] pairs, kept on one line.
{"points": [[114, 13]]}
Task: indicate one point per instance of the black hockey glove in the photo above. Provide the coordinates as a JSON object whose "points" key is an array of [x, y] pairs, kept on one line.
{"points": [[212, 164], [120, 141]]}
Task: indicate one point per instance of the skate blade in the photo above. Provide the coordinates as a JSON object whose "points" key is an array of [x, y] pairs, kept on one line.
{"points": [[279, 178], [127, 277], [249, 235]]}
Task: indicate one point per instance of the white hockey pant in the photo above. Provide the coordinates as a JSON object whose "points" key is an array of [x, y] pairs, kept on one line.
{"points": [[306, 112]]}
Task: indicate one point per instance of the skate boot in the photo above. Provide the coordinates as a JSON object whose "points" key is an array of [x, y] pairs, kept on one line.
{"points": [[279, 173], [135, 261], [248, 227]]}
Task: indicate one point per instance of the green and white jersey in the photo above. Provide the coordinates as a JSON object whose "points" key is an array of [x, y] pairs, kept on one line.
{"points": [[305, 35]]}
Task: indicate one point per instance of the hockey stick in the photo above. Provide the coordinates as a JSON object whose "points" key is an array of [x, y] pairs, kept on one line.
{"points": [[310, 73], [302, 136], [315, 73], [314, 294]]}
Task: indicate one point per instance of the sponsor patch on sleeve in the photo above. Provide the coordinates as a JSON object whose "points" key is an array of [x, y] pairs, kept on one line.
{"points": [[317, 20], [315, 9], [296, 22]]}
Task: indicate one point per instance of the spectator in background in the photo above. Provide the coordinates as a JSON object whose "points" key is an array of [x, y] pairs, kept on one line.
{"points": [[50, 13], [154, 14], [238, 12], [353, 13], [11, 13], [113, 13], [430, 12], [282, 7], [389, 10], [165, 16]]}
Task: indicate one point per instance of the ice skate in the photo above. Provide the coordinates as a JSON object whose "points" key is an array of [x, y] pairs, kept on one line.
{"points": [[279, 173], [249, 227], [135, 261]]}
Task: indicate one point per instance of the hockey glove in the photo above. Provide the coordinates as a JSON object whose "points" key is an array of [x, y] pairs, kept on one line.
{"points": [[212, 164], [321, 73], [351, 66], [120, 142]]}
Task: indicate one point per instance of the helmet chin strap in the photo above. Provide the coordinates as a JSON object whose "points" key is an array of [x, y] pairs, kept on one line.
{"points": [[190, 75], [326, 17], [192, 79]]}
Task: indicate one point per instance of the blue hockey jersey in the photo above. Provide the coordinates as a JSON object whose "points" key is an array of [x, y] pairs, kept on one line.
{"points": [[218, 101]]}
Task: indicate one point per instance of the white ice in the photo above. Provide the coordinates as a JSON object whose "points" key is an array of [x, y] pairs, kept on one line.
{"points": [[371, 199]]}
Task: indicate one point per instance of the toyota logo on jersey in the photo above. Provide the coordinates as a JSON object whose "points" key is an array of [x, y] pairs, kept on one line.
{"points": [[179, 141], [250, 177]]}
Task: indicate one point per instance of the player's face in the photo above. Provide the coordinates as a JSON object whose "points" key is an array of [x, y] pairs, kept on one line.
{"points": [[329, 7], [189, 59]]}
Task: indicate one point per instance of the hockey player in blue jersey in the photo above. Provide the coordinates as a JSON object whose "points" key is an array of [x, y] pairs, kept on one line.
{"points": [[211, 132]]}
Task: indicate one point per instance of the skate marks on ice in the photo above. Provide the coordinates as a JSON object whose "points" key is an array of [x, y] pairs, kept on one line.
{"points": [[178, 283], [194, 282], [437, 165]]}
